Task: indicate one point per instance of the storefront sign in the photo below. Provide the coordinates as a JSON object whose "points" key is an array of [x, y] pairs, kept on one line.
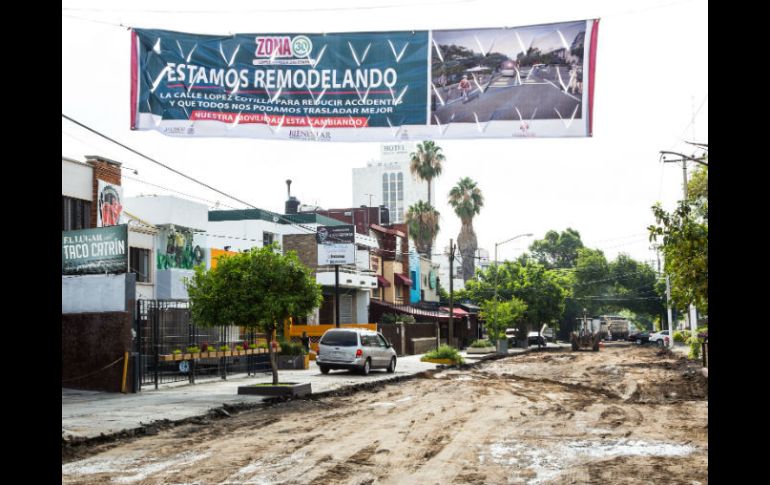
{"points": [[95, 251]]}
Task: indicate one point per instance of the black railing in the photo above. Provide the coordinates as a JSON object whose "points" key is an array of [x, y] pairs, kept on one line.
{"points": [[165, 326]]}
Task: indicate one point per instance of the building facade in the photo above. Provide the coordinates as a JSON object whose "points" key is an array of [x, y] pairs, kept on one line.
{"points": [[388, 182]]}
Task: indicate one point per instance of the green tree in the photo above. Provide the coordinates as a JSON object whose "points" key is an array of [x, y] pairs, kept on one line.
{"points": [[685, 243], [635, 287], [258, 289], [543, 291], [500, 315], [426, 162], [685, 248], [422, 220], [592, 279], [466, 200], [557, 250]]}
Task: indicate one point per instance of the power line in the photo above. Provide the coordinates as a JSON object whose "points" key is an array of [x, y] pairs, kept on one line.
{"points": [[156, 161], [214, 203], [273, 214]]}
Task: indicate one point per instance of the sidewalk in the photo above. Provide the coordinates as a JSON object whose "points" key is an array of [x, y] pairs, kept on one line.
{"points": [[89, 414]]}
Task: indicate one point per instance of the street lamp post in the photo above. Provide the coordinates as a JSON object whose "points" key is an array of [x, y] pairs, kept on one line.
{"points": [[497, 274]]}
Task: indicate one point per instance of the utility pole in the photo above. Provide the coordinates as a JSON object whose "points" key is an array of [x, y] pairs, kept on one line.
{"points": [[450, 332], [337, 295], [693, 311]]}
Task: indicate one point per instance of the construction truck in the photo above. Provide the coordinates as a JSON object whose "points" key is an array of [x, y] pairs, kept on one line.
{"points": [[588, 335]]}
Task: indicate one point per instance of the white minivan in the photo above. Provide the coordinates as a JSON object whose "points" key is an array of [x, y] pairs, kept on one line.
{"points": [[354, 349]]}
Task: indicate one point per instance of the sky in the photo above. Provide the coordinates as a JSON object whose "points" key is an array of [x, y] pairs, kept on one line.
{"points": [[651, 94]]}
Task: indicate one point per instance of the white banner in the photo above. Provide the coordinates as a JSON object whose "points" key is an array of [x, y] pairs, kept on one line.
{"points": [[336, 254]]}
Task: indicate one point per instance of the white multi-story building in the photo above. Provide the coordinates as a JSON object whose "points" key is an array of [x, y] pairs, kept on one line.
{"points": [[389, 182]]}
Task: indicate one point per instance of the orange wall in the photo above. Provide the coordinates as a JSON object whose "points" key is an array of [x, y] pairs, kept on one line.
{"points": [[215, 253]]}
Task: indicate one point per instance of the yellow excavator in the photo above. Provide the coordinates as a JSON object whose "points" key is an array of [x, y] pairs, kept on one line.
{"points": [[587, 336]]}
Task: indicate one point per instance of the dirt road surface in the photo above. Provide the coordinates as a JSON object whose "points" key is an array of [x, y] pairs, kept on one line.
{"points": [[624, 415]]}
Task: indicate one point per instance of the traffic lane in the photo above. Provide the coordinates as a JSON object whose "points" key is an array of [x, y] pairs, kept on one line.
{"points": [[534, 101]]}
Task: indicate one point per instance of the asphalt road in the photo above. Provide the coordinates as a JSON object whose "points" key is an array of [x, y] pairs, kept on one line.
{"points": [[540, 96]]}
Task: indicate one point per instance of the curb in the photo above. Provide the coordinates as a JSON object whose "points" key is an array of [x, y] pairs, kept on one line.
{"points": [[72, 445]]}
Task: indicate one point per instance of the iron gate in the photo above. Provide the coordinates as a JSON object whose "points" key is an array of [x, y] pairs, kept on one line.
{"points": [[163, 326]]}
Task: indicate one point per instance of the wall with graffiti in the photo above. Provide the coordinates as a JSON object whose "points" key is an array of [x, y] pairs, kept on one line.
{"points": [[178, 249]]}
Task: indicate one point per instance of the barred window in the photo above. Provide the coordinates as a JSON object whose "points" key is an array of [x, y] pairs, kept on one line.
{"points": [[75, 214], [139, 263]]}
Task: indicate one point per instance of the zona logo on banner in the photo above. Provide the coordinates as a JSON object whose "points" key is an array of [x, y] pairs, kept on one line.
{"points": [[283, 46]]}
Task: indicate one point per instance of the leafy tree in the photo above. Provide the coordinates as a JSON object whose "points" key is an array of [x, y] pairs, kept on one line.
{"points": [[258, 289], [422, 220], [500, 315], [635, 287], [557, 250], [592, 278], [685, 248], [426, 162], [685, 243], [543, 291], [467, 201]]}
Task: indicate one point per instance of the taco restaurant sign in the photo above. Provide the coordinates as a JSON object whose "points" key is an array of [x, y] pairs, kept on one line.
{"points": [[95, 251]]}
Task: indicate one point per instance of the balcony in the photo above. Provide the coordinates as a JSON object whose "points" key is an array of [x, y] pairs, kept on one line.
{"points": [[349, 278]]}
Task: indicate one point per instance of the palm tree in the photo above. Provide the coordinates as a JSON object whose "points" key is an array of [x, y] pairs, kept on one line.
{"points": [[422, 219], [467, 201], [425, 163]]}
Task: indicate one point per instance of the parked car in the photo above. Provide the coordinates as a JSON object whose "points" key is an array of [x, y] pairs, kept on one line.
{"points": [[639, 337], [356, 350], [659, 338], [533, 338], [510, 335]]}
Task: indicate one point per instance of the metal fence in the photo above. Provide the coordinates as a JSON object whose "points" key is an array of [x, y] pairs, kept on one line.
{"points": [[164, 326]]}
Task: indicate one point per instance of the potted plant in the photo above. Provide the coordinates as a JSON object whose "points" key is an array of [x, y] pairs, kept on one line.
{"points": [[291, 356], [481, 347], [224, 351], [193, 351], [444, 355], [177, 353], [252, 349]]}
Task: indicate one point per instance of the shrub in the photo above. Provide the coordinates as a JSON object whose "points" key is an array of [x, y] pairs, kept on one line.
{"points": [[224, 348], [482, 343], [681, 336], [193, 349], [205, 347], [177, 351], [446, 352], [239, 347], [695, 344], [254, 346], [291, 348]]}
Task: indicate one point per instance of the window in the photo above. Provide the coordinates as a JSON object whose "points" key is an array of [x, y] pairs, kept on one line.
{"points": [[139, 263], [75, 214], [267, 238], [340, 338]]}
